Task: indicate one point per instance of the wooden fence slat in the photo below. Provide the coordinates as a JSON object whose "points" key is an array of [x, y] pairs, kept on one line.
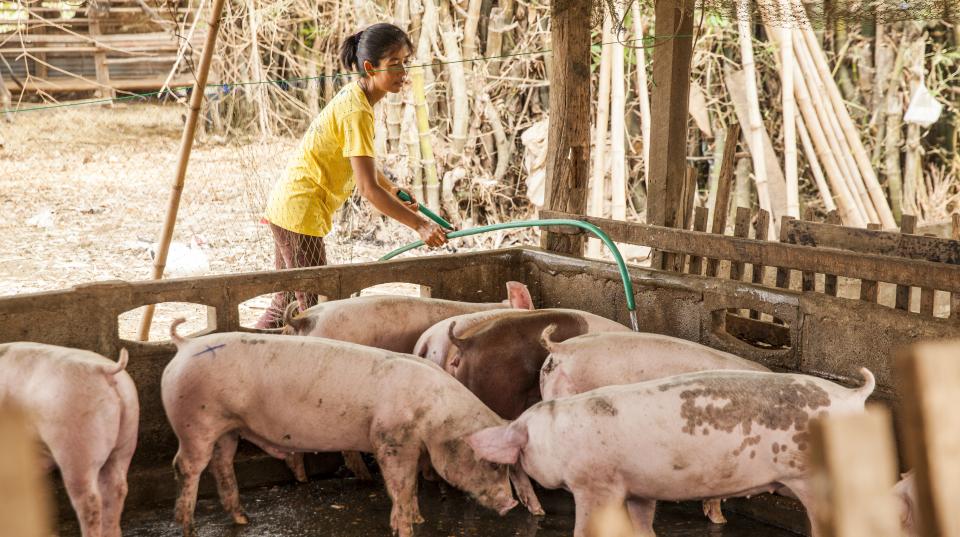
{"points": [[956, 226], [761, 229], [874, 241], [929, 375], [783, 273], [908, 224], [699, 224], [927, 297], [741, 228], [808, 281], [830, 280], [24, 501], [724, 186], [869, 290], [955, 297], [688, 198], [853, 464]]}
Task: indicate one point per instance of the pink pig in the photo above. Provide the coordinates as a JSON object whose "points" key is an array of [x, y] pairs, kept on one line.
{"points": [[390, 322], [85, 411], [303, 394], [592, 361], [697, 436]]}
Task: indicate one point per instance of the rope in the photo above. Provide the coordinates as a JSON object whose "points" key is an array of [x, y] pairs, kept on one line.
{"points": [[227, 86]]}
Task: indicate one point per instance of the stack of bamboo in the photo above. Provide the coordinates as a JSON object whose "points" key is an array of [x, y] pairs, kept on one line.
{"points": [[838, 160]]}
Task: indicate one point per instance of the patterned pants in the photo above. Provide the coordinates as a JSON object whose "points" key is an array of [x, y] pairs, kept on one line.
{"points": [[292, 250]]}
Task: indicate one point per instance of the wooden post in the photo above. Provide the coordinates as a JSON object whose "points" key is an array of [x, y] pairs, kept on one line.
{"points": [[908, 224], [741, 228], [94, 11], [724, 184], [24, 501], [955, 297], [929, 376], [568, 141], [808, 279], [783, 274], [853, 465], [186, 145], [669, 111], [685, 216], [869, 288], [927, 295]]}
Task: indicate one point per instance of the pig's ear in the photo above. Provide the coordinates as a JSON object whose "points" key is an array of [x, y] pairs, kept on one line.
{"points": [[290, 319], [457, 342], [501, 444], [518, 296]]}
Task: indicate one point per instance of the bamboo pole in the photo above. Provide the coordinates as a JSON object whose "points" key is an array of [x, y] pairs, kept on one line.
{"points": [[186, 145], [598, 179], [851, 133], [618, 128], [913, 186], [411, 137], [815, 168], [426, 147], [828, 121], [755, 131], [458, 82], [643, 90], [849, 211], [789, 116]]}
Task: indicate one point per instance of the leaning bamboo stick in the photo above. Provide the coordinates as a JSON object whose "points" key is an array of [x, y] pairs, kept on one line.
{"points": [[851, 133], [755, 131], [815, 168], [411, 137], [458, 82], [789, 115], [186, 146], [824, 123], [618, 128], [597, 181], [849, 211], [426, 147], [643, 90]]}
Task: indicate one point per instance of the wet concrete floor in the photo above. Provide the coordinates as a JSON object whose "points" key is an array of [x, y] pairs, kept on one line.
{"points": [[351, 508]]}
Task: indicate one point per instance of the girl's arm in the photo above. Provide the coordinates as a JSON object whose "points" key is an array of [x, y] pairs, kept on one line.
{"points": [[370, 187]]}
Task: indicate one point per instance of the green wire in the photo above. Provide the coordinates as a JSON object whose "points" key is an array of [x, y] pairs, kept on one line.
{"points": [[621, 265]]}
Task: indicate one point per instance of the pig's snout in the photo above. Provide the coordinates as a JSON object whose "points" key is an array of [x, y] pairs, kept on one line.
{"points": [[501, 501]]}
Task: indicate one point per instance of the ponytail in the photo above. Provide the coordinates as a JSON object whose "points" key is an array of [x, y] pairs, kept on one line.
{"points": [[372, 44], [348, 51]]}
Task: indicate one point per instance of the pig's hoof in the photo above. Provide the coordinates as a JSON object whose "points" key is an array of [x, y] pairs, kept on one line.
{"points": [[713, 511], [240, 519]]}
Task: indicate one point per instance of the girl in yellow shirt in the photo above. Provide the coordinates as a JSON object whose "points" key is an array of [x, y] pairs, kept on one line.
{"points": [[336, 154]]}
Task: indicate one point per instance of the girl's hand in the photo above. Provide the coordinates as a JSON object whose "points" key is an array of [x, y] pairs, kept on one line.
{"points": [[413, 205], [431, 234]]}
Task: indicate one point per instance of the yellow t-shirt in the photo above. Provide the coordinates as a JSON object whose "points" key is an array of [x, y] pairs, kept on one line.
{"points": [[319, 177]]}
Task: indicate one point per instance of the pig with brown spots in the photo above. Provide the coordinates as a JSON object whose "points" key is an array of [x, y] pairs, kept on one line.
{"points": [[386, 322], [84, 410], [696, 436], [592, 361], [300, 394], [499, 359]]}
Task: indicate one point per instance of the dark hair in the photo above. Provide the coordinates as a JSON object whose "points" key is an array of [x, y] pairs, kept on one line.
{"points": [[372, 44]]}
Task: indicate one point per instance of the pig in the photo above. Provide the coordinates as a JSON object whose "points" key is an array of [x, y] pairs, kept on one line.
{"points": [[905, 492], [85, 412], [499, 359], [592, 361], [389, 322], [694, 436], [303, 394], [386, 322], [435, 344]]}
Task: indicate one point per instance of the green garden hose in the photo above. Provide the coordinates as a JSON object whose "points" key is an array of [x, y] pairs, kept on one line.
{"points": [[624, 275], [426, 212]]}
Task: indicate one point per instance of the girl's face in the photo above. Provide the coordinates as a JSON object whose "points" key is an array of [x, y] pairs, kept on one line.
{"points": [[391, 74]]}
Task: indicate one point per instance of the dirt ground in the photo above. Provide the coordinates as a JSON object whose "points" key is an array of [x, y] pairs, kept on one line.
{"points": [[85, 190]]}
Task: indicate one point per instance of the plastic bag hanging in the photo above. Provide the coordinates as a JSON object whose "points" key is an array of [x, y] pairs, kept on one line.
{"points": [[924, 109]]}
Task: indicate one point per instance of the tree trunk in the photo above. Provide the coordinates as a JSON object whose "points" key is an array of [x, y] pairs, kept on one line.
{"points": [[568, 142]]}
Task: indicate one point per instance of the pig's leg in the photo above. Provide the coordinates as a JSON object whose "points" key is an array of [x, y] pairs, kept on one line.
{"points": [[588, 502], [398, 465], [525, 491], [294, 462], [222, 467], [84, 491], [641, 515], [113, 485], [192, 457], [802, 490], [713, 511], [355, 464]]}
